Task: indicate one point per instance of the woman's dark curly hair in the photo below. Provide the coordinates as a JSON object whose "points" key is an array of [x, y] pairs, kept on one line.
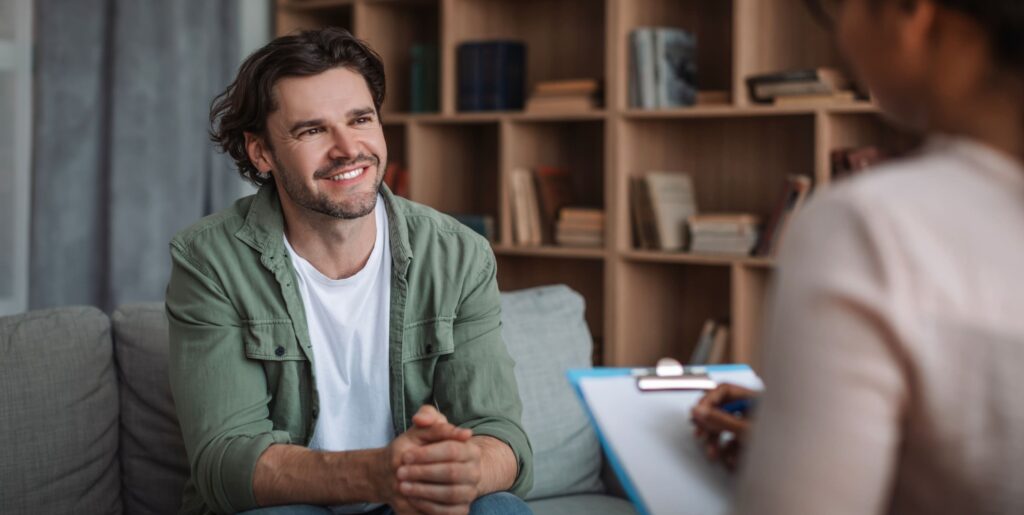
{"points": [[1002, 19], [245, 105]]}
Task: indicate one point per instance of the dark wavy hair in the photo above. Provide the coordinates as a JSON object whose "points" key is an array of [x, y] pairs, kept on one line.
{"points": [[247, 102]]}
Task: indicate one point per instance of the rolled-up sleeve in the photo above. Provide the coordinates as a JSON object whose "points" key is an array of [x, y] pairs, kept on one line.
{"points": [[476, 385], [221, 397]]}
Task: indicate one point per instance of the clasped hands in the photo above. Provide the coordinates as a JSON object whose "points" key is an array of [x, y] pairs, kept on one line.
{"points": [[432, 468]]}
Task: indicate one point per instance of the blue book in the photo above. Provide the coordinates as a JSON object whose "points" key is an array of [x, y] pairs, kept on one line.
{"points": [[491, 75]]}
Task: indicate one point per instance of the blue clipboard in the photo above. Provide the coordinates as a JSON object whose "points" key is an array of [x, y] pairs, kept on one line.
{"points": [[576, 375]]}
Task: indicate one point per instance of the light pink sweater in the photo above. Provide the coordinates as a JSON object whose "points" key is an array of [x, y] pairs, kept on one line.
{"points": [[894, 350]]}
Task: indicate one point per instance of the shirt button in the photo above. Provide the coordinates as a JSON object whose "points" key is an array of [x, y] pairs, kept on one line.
{"points": [[279, 351]]}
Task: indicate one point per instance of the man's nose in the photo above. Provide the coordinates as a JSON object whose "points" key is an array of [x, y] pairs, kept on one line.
{"points": [[346, 145]]}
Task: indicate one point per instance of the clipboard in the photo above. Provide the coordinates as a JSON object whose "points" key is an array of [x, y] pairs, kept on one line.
{"points": [[648, 438]]}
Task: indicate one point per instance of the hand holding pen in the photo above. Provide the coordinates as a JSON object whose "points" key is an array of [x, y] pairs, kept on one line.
{"points": [[722, 420]]}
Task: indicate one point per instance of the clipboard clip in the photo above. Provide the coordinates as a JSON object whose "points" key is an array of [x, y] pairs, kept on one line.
{"points": [[670, 375]]}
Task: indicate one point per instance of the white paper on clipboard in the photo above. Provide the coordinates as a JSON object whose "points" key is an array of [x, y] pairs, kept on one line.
{"points": [[651, 437]]}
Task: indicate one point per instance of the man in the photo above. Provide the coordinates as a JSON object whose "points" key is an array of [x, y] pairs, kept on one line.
{"points": [[331, 344]]}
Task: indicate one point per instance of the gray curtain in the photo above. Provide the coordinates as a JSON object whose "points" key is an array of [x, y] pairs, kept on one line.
{"points": [[122, 159]]}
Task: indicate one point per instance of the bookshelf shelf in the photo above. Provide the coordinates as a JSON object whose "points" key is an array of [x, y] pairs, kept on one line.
{"points": [[716, 111], [307, 5], [641, 304], [686, 258], [551, 251]]}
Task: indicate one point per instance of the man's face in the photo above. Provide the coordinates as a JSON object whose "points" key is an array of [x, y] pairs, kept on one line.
{"points": [[327, 151]]}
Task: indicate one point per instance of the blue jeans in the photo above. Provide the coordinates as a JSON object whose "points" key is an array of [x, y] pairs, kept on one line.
{"points": [[499, 503]]}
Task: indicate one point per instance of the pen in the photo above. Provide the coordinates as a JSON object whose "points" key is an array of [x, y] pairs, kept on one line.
{"points": [[738, 407]]}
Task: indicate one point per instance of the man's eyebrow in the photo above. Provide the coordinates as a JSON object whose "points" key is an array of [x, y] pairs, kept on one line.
{"points": [[361, 111], [305, 124]]}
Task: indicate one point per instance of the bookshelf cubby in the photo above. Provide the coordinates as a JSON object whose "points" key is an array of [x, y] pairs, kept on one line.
{"points": [[641, 304]]}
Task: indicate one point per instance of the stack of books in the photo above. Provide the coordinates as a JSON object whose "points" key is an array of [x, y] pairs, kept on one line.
{"points": [[801, 87], [536, 198], [580, 227], [725, 233], [565, 96]]}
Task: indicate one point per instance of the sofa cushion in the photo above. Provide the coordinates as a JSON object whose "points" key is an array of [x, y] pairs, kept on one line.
{"points": [[546, 335], [153, 462], [58, 413], [582, 505]]}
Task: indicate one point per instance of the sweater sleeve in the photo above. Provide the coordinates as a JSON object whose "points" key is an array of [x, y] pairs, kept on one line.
{"points": [[827, 432]]}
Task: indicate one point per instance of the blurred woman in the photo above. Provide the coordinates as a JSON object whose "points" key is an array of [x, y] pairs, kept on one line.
{"points": [[894, 347]]}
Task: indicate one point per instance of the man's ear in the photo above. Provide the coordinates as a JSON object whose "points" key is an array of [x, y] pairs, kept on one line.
{"points": [[259, 152]]}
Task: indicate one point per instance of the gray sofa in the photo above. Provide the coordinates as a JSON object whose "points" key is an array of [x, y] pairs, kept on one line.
{"points": [[88, 425]]}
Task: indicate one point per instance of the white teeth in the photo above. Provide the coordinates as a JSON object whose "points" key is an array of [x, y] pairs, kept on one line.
{"points": [[349, 175]]}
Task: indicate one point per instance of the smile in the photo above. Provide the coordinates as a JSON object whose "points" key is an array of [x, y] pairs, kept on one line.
{"points": [[351, 174]]}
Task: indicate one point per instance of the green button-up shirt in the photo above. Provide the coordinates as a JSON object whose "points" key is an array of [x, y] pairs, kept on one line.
{"points": [[241, 363]]}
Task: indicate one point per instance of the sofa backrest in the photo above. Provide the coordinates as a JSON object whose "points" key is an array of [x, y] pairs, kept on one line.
{"points": [[546, 335], [58, 413], [75, 392], [152, 454]]}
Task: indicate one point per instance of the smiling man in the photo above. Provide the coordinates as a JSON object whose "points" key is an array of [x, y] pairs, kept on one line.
{"points": [[335, 348]]}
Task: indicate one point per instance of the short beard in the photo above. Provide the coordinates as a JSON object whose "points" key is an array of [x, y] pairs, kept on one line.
{"points": [[356, 207]]}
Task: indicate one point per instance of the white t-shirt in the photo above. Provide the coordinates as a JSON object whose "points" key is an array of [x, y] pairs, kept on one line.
{"points": [[348, 328]]}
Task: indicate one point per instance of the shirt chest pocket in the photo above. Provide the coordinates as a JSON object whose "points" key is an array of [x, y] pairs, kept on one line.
{"points": [[272, 341], [428, 339]]}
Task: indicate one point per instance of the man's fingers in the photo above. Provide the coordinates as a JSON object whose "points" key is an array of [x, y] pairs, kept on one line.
{"points": [[446, 495], [440, 452], [427, 416], [435, 508], [440, 473], [439, 433]]}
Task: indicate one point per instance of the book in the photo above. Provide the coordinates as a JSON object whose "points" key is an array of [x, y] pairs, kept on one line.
{"points": [[675, 54], [572, 87], [663, 68], [672, 201], [561, 103], [525, 208], [730, 244], [581, 214], [396, 177], [723, 233], [481, 224], [794, 193], [764, 88], [644, 227], [720, 346], [702, 349], [724, 223], [491, 75], [814, 100], [579, 239], [554, 186], [643, 80], [423, 78]]}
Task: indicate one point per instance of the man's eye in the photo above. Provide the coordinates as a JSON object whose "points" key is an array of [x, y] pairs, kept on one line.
{"points": [[310, 132], [363, 119]]}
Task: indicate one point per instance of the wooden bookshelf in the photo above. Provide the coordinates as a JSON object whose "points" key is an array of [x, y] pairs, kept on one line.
{"points": [[641, 305]]}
